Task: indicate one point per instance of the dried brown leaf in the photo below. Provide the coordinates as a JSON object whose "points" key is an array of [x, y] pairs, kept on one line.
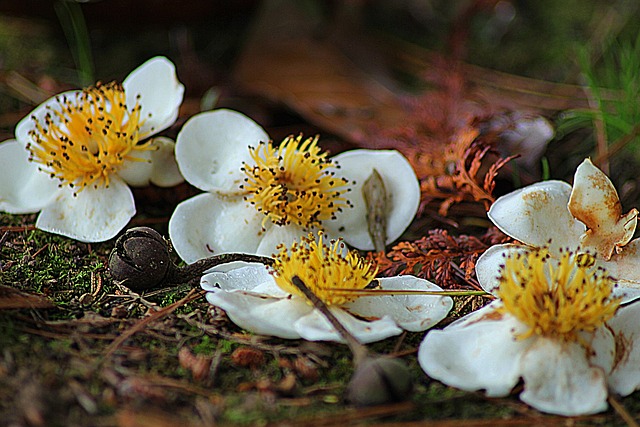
{"points": [[11, 298], [438, 131], [283, 62]]}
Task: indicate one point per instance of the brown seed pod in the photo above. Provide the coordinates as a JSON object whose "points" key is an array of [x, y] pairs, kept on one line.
{"points": [[379, 380], [140, 259]]}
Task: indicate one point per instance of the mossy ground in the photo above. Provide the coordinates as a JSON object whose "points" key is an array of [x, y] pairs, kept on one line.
{"points": [[59, 366], [64, 365]]}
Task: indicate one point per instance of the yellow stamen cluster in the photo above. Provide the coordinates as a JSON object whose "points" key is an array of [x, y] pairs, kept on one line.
{"points": [[293, 183], [323, 269], [557, 298], [87, 137]]}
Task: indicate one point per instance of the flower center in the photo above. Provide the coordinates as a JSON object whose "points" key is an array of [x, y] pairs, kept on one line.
{"points": [[557, 298], [323, 269], [87, 137], [294, 184]]}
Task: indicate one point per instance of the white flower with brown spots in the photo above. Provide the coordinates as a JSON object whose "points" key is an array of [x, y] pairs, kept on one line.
{"points": [[75, 155], [586, 218], [258, 195], [265, 300], [556, 325]]}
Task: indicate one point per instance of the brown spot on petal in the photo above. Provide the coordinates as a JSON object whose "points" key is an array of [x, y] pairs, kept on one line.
{"points": [[594, 201], [623, 349], [494, 315], [536, 199]]}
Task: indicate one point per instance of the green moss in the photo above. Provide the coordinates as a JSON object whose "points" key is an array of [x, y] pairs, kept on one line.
{"points": [[207, 346], [48, 264]]}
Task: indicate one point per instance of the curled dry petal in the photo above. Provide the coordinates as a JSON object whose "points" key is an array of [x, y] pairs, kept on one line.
{"points": [[594, 202]]}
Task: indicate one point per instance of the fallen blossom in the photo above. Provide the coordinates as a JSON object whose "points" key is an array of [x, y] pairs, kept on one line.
{"points": [[556, 325], [258, 195], [75, 154], [265, 301], [586, 218]]}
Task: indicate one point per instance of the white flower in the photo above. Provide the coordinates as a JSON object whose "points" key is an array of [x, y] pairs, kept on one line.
{"points": [[527, 136], [75, 154], [556, 326], [585, 218], [258, 196], [266, 301]]}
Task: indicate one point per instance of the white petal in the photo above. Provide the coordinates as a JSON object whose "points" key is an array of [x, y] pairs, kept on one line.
{"points": [[137, 173], [626, 291], [602, 348], [276, 235], [254, 278], [27, 124], [559, 379], [529, 138], [209, 224], [411, 312], [625, 376], [401, 185], [476, 353], [23, 188], [160, 93], [262, 315], [315, 327], [94, 215], [538, 213], [490, 263], [212, 145], [156, 166], [165, 168], [624, 267]]}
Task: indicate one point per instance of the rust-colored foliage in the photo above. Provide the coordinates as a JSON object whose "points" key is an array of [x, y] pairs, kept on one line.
{"points": [[443, 137], [439, 256]]}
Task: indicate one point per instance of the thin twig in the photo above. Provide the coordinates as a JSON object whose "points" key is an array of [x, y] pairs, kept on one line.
{"points": [[189, 272], [462, 275], [602, 147], [17, 228], [376, 292], [618, 145], [359, 351], [352, 416], [622, 411], [251, 341], [192, 295]]}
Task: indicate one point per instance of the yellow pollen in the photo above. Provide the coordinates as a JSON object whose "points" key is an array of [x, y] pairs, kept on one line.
{"points": [[557, 298], [323, 269], [294, 183], [87, 137]]}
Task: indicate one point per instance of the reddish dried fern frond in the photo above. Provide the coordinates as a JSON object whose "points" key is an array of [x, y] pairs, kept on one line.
{"points": [[465, 170], [441, 136], [439, 256]]}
